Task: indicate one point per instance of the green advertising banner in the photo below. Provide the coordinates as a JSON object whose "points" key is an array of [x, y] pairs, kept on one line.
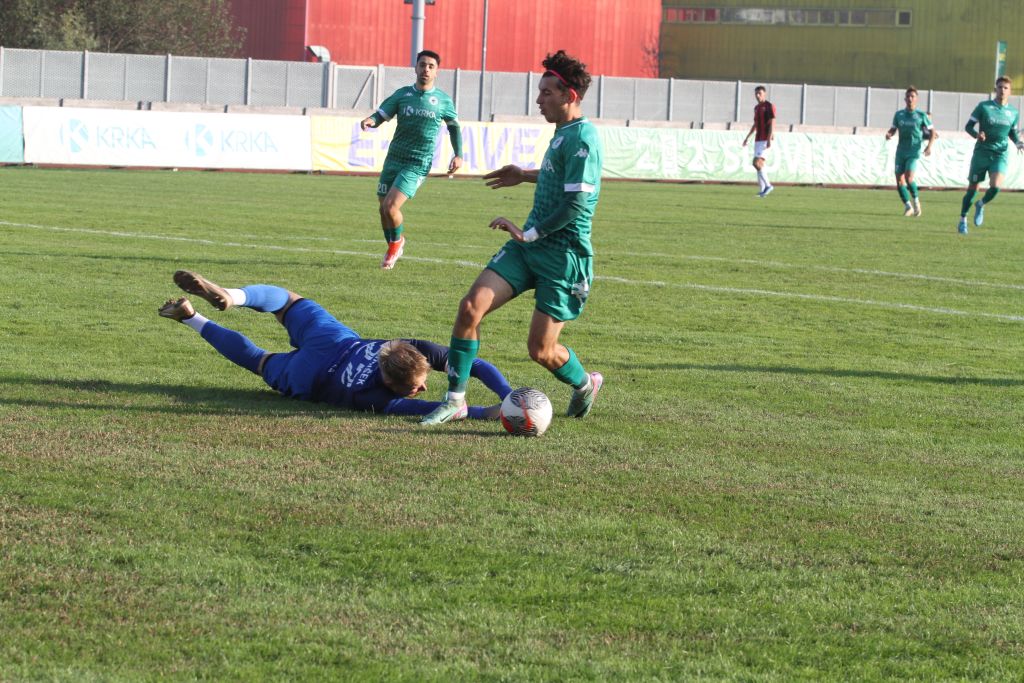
{"points": [[808, 158]]}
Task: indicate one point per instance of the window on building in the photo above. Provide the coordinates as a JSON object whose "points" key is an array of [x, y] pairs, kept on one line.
{"points": [[787, 17]]}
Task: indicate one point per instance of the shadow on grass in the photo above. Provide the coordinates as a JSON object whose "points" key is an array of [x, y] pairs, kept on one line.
{"points": [[190, 399], [193, 400], [833, 372]]}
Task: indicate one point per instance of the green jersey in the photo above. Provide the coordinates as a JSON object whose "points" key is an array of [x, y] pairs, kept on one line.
{"points": [[420, 113], [998, 122], [572, 164], [911, 125]]}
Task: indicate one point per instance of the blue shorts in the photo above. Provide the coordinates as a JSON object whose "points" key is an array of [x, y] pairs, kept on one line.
{"points": [[318, 339]]}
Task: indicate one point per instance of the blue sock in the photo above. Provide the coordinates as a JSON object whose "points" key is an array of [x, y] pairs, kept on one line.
{"points": [[265, 298], [234, 346], [491, 377]]}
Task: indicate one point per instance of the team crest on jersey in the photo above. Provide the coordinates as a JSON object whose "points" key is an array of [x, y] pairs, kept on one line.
{"points": [[556, 143], [432, 100], [581, 290]]}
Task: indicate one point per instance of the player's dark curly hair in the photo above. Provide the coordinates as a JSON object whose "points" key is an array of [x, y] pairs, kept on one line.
{"points": [[572, 71]]}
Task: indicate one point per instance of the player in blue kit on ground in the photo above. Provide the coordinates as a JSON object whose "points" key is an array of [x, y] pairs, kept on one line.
{"points": [[330, 362]]}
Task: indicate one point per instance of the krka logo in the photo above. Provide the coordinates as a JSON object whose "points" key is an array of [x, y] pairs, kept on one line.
{"points": [[74, 135], [422, 113], [199, 140]]}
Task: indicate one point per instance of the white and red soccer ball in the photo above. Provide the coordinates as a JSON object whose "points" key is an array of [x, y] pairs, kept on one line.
{"points": [[526, 412]]}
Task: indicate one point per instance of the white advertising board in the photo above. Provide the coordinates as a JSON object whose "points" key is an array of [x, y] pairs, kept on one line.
{"points": [[105, 137]]}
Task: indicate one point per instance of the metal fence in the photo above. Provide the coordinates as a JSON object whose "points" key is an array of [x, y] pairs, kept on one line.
{"points": [[264, 83]]}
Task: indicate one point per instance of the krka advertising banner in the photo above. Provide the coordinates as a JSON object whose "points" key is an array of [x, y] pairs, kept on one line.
{"points": [[65, 135], [11, 145], [827, 159], [340, 145]]}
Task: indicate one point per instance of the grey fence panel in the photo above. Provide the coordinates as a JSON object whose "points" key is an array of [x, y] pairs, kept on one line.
{"points": [[269, 83], [23, 71], [850, 106], [687, 100], [62, 74], [509, 94], [944, 108], [651, 99], [395, 77], [885, 102], [106, 76], [469, 96], [305, 85], [145, 78], [820, 105], [720, 101], [618, 99], [787, 99], [188, 79], [354, 88], [227, 81]]}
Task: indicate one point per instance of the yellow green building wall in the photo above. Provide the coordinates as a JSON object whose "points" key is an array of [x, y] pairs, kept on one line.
{"points": [[950, 45]]}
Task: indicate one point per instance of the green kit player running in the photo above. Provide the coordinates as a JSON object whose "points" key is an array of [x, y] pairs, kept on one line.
{"points": [[911, 125], [997, 121], [420, 109], [551, 254]]}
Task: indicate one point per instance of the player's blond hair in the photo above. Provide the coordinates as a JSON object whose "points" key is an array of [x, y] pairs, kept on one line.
{"points": [[402, 365]]}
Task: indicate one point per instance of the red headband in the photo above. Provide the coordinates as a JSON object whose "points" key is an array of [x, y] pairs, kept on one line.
{"points": [[564, 82]]}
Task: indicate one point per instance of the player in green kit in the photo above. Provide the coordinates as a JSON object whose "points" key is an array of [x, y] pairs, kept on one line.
{"points": [[996, 121], [911, 125], [420, 109], [551, 254]]}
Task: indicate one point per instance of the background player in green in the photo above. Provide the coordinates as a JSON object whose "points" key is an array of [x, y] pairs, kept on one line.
{"points": [[996, 121], [420, 109], [550, 254], [911, 125]]}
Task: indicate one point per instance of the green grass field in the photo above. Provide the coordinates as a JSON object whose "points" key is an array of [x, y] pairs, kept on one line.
{"points": [[806, 463]]}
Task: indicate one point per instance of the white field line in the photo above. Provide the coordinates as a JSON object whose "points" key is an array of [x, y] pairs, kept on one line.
{"points": [[606, 278]]}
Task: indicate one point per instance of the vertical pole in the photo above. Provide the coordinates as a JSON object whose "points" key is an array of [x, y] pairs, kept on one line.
{"points": [[167, 79], [600, 96], [803, 104], [1, 70], [418, 15], [286, 71], [455, 89], [736, 114], [124, 79], [483, 63], [867, 106], [636, 89], [328, 93], [671, 96], [42, 70], [703, 109], [206, 90], [835, 103], [248, 81], [85, 75], [529, 92]]}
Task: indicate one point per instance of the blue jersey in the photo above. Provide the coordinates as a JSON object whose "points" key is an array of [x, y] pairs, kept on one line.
{"points": [[354, 379], [333, 364]]}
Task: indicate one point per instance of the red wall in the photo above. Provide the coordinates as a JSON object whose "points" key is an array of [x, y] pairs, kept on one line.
{"points": [[614, 37]]}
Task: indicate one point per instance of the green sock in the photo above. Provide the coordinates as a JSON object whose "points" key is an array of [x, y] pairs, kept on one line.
{"points": [[990, 194], [572, 372], [902, 190], [393, 234], [965, 206], [913, 189], [461, 354]]}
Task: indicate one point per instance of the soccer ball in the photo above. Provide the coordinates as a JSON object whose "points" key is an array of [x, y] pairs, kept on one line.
{"points": [[526, 412]]}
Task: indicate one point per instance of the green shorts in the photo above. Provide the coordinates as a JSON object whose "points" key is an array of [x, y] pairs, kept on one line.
{"points": [[406, 179], [906, 162], [983, 162], [561, 279]]}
